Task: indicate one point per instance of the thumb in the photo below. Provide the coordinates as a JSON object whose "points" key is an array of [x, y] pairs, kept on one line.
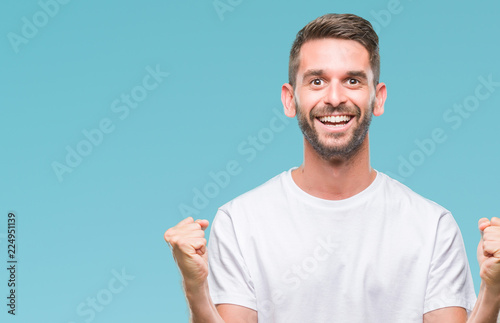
{"points": [[483, 224], [204, 223], [201, 251]]}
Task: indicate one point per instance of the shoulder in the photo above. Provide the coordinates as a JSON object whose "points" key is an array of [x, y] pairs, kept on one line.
{"points": [[263, 194], [425, 217], [401, 195], [243, 214]]}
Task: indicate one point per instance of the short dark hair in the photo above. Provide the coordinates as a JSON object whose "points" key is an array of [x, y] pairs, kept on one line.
{"points": [[342, 26]]}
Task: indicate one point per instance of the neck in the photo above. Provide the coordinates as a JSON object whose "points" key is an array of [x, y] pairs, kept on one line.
{"points": [[335, 179]]}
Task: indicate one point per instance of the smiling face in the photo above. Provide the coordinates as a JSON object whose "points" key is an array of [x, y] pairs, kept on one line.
{"points": [[334, 96]]}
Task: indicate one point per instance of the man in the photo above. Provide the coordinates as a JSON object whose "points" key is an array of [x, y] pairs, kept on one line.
{"points": [[334, 240]]}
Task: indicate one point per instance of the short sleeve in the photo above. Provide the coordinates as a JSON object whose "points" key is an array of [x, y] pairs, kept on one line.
{"points": [[449, 281], [228, 279]]}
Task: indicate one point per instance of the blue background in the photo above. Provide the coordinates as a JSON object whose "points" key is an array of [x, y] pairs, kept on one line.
{"points": [[225, 73]]}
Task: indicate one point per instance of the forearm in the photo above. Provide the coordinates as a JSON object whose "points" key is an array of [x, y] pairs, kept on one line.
{"points": [[202, 309], [487, 306]]}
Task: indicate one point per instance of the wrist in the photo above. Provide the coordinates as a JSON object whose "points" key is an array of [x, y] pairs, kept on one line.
{"points": [[201, 307], [491, 293], [195, 290]]}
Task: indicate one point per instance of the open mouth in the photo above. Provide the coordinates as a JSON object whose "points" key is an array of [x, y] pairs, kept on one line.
{"points": [[335, 121]]}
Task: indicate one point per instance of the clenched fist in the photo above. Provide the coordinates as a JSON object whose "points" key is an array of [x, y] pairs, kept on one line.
{"points": [[188, 243], [488, 252]]}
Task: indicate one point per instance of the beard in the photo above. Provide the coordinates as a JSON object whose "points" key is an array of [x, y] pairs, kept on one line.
{"points": [[335, 151]]}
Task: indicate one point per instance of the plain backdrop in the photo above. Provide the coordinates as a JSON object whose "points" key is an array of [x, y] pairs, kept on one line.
{"points": [[203, 82]]}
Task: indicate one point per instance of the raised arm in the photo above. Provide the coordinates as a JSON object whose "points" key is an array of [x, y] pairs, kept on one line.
{"points": [[188, 244], [488, 303], [488, 254]]}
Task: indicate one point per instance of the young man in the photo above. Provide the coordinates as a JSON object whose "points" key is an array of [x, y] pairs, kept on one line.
{"points": [[334, 240]]}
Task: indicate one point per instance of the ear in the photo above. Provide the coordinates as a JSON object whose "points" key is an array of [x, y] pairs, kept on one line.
{"points": [[380, 96], [287, 98]]}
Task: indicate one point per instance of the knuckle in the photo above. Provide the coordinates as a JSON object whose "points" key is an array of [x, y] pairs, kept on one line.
{"points": [[183, 244], [169, 234], [173, 241], [482, 273], [487, 246]]}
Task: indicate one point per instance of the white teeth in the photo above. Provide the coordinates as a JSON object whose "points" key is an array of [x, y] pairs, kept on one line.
{"points": [[335, 119]]}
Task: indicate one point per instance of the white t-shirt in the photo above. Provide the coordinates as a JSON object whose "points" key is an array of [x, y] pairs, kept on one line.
{"points": [[384, 255]]}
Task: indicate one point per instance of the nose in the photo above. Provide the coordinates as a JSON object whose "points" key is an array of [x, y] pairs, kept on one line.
{"points": [[334, 94]]}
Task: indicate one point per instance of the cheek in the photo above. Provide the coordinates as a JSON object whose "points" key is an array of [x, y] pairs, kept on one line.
{"points": [[361, 99], [364, 103], [309, 101], [305, 93]]}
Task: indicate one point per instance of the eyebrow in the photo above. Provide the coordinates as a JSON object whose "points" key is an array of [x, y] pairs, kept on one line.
{"points": [[310, 73], [359, 74]]}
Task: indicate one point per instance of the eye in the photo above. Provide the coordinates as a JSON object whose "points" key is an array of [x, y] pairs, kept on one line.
{"points": [[353, 81], [317, 82]]}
